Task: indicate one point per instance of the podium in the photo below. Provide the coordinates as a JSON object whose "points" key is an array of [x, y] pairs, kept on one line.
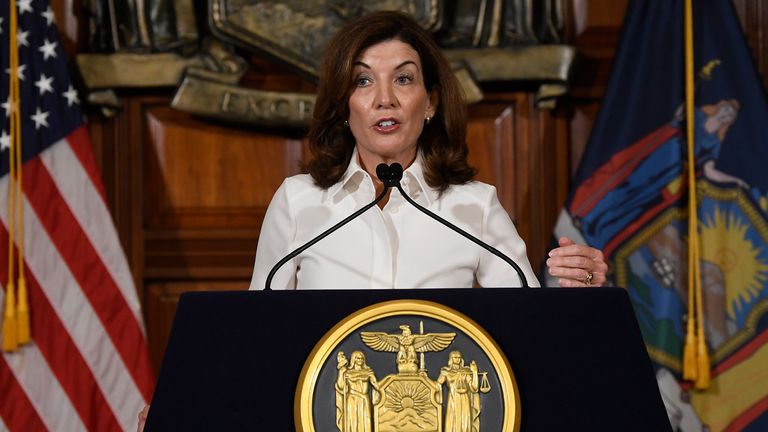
{"points": [[234, 359]]}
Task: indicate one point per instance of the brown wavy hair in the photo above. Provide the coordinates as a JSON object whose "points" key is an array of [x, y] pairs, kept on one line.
{"points": [[443, 140]]}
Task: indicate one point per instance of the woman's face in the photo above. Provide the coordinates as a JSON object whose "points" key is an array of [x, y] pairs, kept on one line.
{"points": [[389, 104]]}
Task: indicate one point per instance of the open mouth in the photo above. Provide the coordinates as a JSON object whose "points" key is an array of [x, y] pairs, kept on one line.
{"points": [[387, 125]]}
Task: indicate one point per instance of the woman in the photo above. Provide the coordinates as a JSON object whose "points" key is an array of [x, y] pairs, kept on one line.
{"points": [[387, 94]]}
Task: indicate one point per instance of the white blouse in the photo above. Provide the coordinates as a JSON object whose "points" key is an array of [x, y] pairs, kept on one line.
{"points": [[394, 247]]}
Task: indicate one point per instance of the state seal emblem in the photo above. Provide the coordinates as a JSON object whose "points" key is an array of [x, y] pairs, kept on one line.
{"points": [[407, 366]]}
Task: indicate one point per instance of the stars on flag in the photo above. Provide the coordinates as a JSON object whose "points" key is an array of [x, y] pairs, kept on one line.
{"points": [[71, 96], [49, 101], [48, 15], [21, 38], [40, 118], [24, 6], [5, 141], [48, 49], [44, 84], [19, 72], [7, 107]]}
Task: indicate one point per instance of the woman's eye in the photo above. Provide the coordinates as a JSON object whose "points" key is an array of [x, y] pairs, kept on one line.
{"points": [[404, 79], [362, 81]]}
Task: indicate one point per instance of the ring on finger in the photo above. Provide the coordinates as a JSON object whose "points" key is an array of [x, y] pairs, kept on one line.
{"points": [[588, 278]]}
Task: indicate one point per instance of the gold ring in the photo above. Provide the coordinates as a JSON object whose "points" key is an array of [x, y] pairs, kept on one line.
{"points": [[588, 279]]}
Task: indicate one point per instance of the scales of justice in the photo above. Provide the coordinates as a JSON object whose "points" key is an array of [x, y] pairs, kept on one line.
{"points": [[408, 401]]}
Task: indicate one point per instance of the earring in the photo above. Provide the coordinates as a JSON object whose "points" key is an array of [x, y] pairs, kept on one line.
{"points": [[346, 123], [428, 119]]}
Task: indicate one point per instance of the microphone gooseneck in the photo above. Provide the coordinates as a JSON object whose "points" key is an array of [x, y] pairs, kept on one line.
{"points": [[396, 173], [385, 175]]}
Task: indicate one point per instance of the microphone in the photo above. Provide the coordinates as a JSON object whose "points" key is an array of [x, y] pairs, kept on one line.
{"points": [[385, 175], [396, 173]]}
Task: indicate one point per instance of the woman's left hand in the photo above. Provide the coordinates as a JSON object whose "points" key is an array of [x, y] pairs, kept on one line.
{"points": [[577, 265]]}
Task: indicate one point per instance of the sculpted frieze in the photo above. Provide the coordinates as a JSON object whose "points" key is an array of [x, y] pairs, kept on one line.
{"points": [[135, 45]]}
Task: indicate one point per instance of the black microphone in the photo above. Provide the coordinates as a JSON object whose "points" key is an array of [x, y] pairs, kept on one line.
{"points": [[385, 175], [396, 173]]}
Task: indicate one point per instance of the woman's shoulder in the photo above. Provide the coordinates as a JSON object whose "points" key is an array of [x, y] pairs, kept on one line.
{"points": [[300, 182], [471, 191], [297, 192], [299, 185]]}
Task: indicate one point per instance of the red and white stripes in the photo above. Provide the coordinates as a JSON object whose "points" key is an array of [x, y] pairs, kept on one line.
{"points": [[88, 366]]}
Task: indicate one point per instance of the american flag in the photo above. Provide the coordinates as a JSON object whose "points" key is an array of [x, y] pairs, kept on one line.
{"points": [[87, 366]]}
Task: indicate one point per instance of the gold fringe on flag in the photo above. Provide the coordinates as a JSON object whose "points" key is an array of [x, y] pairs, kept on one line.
{"points": [[22, 311], [16, 326], [689, 350], [696, 366], [22, 305], [702, 356], [10, 328]]}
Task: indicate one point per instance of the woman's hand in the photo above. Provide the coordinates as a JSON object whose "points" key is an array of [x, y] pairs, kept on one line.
{"points": [[143, 418], [577, 265]]}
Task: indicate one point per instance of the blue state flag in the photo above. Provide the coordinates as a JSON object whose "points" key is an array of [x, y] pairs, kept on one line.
{"points": [[630, 199]]}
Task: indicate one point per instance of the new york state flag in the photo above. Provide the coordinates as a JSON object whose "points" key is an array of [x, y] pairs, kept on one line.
{"points": [[631, 193]]}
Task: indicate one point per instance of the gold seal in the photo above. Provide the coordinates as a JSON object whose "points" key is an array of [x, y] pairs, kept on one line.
{"points": [[407, 365]]}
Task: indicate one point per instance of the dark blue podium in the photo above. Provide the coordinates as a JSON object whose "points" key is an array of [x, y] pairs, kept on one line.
{"points": [[234, 358]]}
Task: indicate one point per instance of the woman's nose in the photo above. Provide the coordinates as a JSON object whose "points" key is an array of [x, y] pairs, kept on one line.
{"points": [[385, 97]]}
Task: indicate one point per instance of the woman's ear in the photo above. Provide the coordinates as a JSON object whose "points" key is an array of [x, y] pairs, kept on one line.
{"points": [[434, 101]]}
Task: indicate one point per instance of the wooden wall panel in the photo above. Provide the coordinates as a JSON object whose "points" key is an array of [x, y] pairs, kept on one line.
{"points": [[490, 135], [754, 19], [200, 175], [518, 148], [116, 142], [206, 189]]}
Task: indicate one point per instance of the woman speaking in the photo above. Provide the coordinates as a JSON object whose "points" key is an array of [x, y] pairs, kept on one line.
{"points": [[387, 95]]}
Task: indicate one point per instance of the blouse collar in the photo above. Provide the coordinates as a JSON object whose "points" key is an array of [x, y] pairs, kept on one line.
{"points": [[413, 181]]}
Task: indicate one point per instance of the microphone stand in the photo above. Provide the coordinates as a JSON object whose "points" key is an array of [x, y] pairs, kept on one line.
{"points": [[390, 176], [384, 174], [397, 174]]}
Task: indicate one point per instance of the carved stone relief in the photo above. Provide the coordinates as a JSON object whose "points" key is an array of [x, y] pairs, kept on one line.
{"points": [[155, 43]]}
